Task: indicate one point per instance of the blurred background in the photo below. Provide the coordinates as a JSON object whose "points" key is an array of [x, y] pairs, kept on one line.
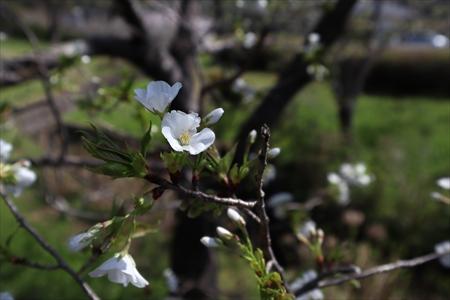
{"points": [[337, 81]]}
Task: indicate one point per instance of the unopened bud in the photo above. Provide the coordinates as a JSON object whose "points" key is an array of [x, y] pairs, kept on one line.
{"points": [[210, 242], [214, 116], [224, 234], [252, 136], [273, 152], [236, 217]]}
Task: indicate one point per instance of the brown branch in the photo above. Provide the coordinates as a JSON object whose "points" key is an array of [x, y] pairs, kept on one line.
{"points": [[197, 194], [320, 282], [62, 264], [261, 207]]}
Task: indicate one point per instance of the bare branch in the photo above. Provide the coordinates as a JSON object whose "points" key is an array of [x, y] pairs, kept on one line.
{"points": [[197, 194], [261, 207], [320, 282], [49, 249]]}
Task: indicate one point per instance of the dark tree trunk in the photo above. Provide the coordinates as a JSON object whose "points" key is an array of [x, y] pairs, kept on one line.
{"points": [[294, 77]]}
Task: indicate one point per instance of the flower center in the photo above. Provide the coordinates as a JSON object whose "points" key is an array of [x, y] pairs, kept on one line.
{"points": [[185, 138]]}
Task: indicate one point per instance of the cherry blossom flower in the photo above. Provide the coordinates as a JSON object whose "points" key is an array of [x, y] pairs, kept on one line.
{"points": [[342, 186], [121, 269], [180, 130], [214, 116], [158, 95], [17, 177]]}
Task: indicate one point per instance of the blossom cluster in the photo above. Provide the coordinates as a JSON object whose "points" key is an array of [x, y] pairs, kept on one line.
{"points": [[179, 128], [349, 175], [15, 177]]}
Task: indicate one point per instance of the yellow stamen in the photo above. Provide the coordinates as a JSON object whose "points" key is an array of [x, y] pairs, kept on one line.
{"points": [[185, 138]]}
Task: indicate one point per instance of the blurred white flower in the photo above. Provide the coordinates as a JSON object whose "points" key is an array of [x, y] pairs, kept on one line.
{"points": [[270, 173], [120, 269], [235, 217], [210, 242], [278, 203], [444, 183], [308, 228], [249, 40], [180, 130], [80, 241], [171, 280], [214, 116], [314, 38], [158, 95], [21, 175], [317, 71], [3, 36], [441, 248], [273, 152], [224, 234], [355, 174], [85, 59], [5, 150], [342, 187], [263, 3], [240, 86], [240, 3], [280, 199], [6, 296], [300, 282]]}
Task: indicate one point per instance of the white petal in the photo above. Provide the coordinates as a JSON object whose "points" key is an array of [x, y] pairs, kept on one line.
{"points": [[161, 94], [201, 141], [117, 276], [181, 122], [138, 280], [174, 143]]}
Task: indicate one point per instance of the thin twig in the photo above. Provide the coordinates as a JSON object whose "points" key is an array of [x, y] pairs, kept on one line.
{"points": [[261, 207], [197, 194], [47, 86], [322, 283], [49, 249]]}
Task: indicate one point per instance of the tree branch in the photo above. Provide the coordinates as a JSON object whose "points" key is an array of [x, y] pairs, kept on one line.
{"points": [[61, 263], [197, 194], [320, 282], [261, 207]]}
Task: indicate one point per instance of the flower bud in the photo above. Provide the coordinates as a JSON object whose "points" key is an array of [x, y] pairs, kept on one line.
{"points": [[273, 152], [252, 136], [214, 116], [210, 242], [224, 234], [236, 217]]}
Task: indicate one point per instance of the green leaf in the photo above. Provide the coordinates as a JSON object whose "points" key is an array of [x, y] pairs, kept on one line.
{"points": [[145, 141]]}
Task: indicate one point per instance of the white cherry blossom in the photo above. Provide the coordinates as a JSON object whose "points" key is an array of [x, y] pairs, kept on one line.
{"points": [[158, 95], [121, 269], [180, 130], [22, 177], [300, 282]]}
